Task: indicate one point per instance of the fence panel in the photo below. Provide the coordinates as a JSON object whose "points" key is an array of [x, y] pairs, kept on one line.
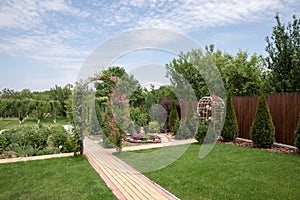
{"points": [[284, 109], [245, 108]]}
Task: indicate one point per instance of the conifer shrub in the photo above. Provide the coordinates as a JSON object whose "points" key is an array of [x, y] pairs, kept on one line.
{"points": [[183, 132], [201, 132], [173, 119], [176, 126], [262, 130], [297, 135], [230, 128]]}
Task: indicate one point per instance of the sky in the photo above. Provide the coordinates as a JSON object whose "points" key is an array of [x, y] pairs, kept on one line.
{"points": [[46, 43]]}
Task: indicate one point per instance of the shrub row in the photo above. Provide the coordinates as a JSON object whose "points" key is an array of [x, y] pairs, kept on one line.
{"points": [[31, 141]]}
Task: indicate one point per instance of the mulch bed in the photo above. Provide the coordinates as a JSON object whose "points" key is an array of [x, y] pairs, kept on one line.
{"points": [[275, 148]]}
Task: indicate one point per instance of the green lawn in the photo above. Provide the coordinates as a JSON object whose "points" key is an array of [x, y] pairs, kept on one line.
{"points": [[61, 178], [231, 172], [8, 123]]}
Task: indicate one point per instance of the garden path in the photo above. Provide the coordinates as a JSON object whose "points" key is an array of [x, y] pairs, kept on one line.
{"points": [[125, 182]]}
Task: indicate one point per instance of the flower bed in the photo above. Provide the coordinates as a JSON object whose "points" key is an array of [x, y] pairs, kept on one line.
{"points": [[142, 138], [275, 147]]}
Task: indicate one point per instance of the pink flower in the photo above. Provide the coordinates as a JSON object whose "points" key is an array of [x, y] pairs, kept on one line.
{"points": [[114, 79], [113, 120]]}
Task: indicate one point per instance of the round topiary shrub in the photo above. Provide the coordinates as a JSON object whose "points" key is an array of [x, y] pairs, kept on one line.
{"points": [[262, 130], [153, 126]]}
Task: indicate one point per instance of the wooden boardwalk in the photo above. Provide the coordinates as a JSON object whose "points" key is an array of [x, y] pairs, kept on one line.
{"points": [[125, 182]]}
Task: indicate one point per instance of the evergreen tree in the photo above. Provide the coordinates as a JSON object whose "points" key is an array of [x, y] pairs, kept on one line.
{"points": [[297, 135], [262, 130], [230, 128], [173, 119]]}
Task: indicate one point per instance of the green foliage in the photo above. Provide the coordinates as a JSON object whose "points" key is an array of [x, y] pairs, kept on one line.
{"points": [[110, 142], [182, 69], [24, 151], [149, 101], [192, 119], [73, 144], [283, 48], [262, 130], [103, 88], [59, 136], [55, 106], [31, 141], [241, 74], [159, 114], [68, 143], [297, 135], [173, 119], [26, 136], [165, 91], [176, 126], [201, 132], [183, 132], [138, 116], [153, 126], [3, 143], [230, 128], [60, 95], [22, 103]]}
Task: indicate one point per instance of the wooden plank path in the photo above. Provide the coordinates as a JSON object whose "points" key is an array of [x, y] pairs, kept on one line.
{"points": [[125, 182]]}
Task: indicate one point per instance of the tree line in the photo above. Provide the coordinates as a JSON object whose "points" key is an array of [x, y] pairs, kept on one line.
{"points": [[242, 74], [38, 105]]}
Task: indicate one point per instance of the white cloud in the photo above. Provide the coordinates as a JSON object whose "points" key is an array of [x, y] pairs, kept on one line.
{"points": [[190, 15], [61, 33], [28, 13]]}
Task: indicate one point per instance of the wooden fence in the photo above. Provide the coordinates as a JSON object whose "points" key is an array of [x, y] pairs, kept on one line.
{"points": [[284, 109]]}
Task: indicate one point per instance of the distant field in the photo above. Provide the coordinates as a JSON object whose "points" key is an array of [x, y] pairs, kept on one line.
{"points": [[8, 123]]}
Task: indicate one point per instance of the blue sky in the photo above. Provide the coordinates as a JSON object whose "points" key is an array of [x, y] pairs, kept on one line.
{"points": [[43, 43]]}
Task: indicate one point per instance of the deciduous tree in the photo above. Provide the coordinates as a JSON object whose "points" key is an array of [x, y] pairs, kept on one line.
{"points": [[283, 60]]}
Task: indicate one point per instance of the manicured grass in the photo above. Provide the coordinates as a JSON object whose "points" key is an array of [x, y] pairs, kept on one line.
{"points": [[231, 172], [8, 123], [61, 178]]}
